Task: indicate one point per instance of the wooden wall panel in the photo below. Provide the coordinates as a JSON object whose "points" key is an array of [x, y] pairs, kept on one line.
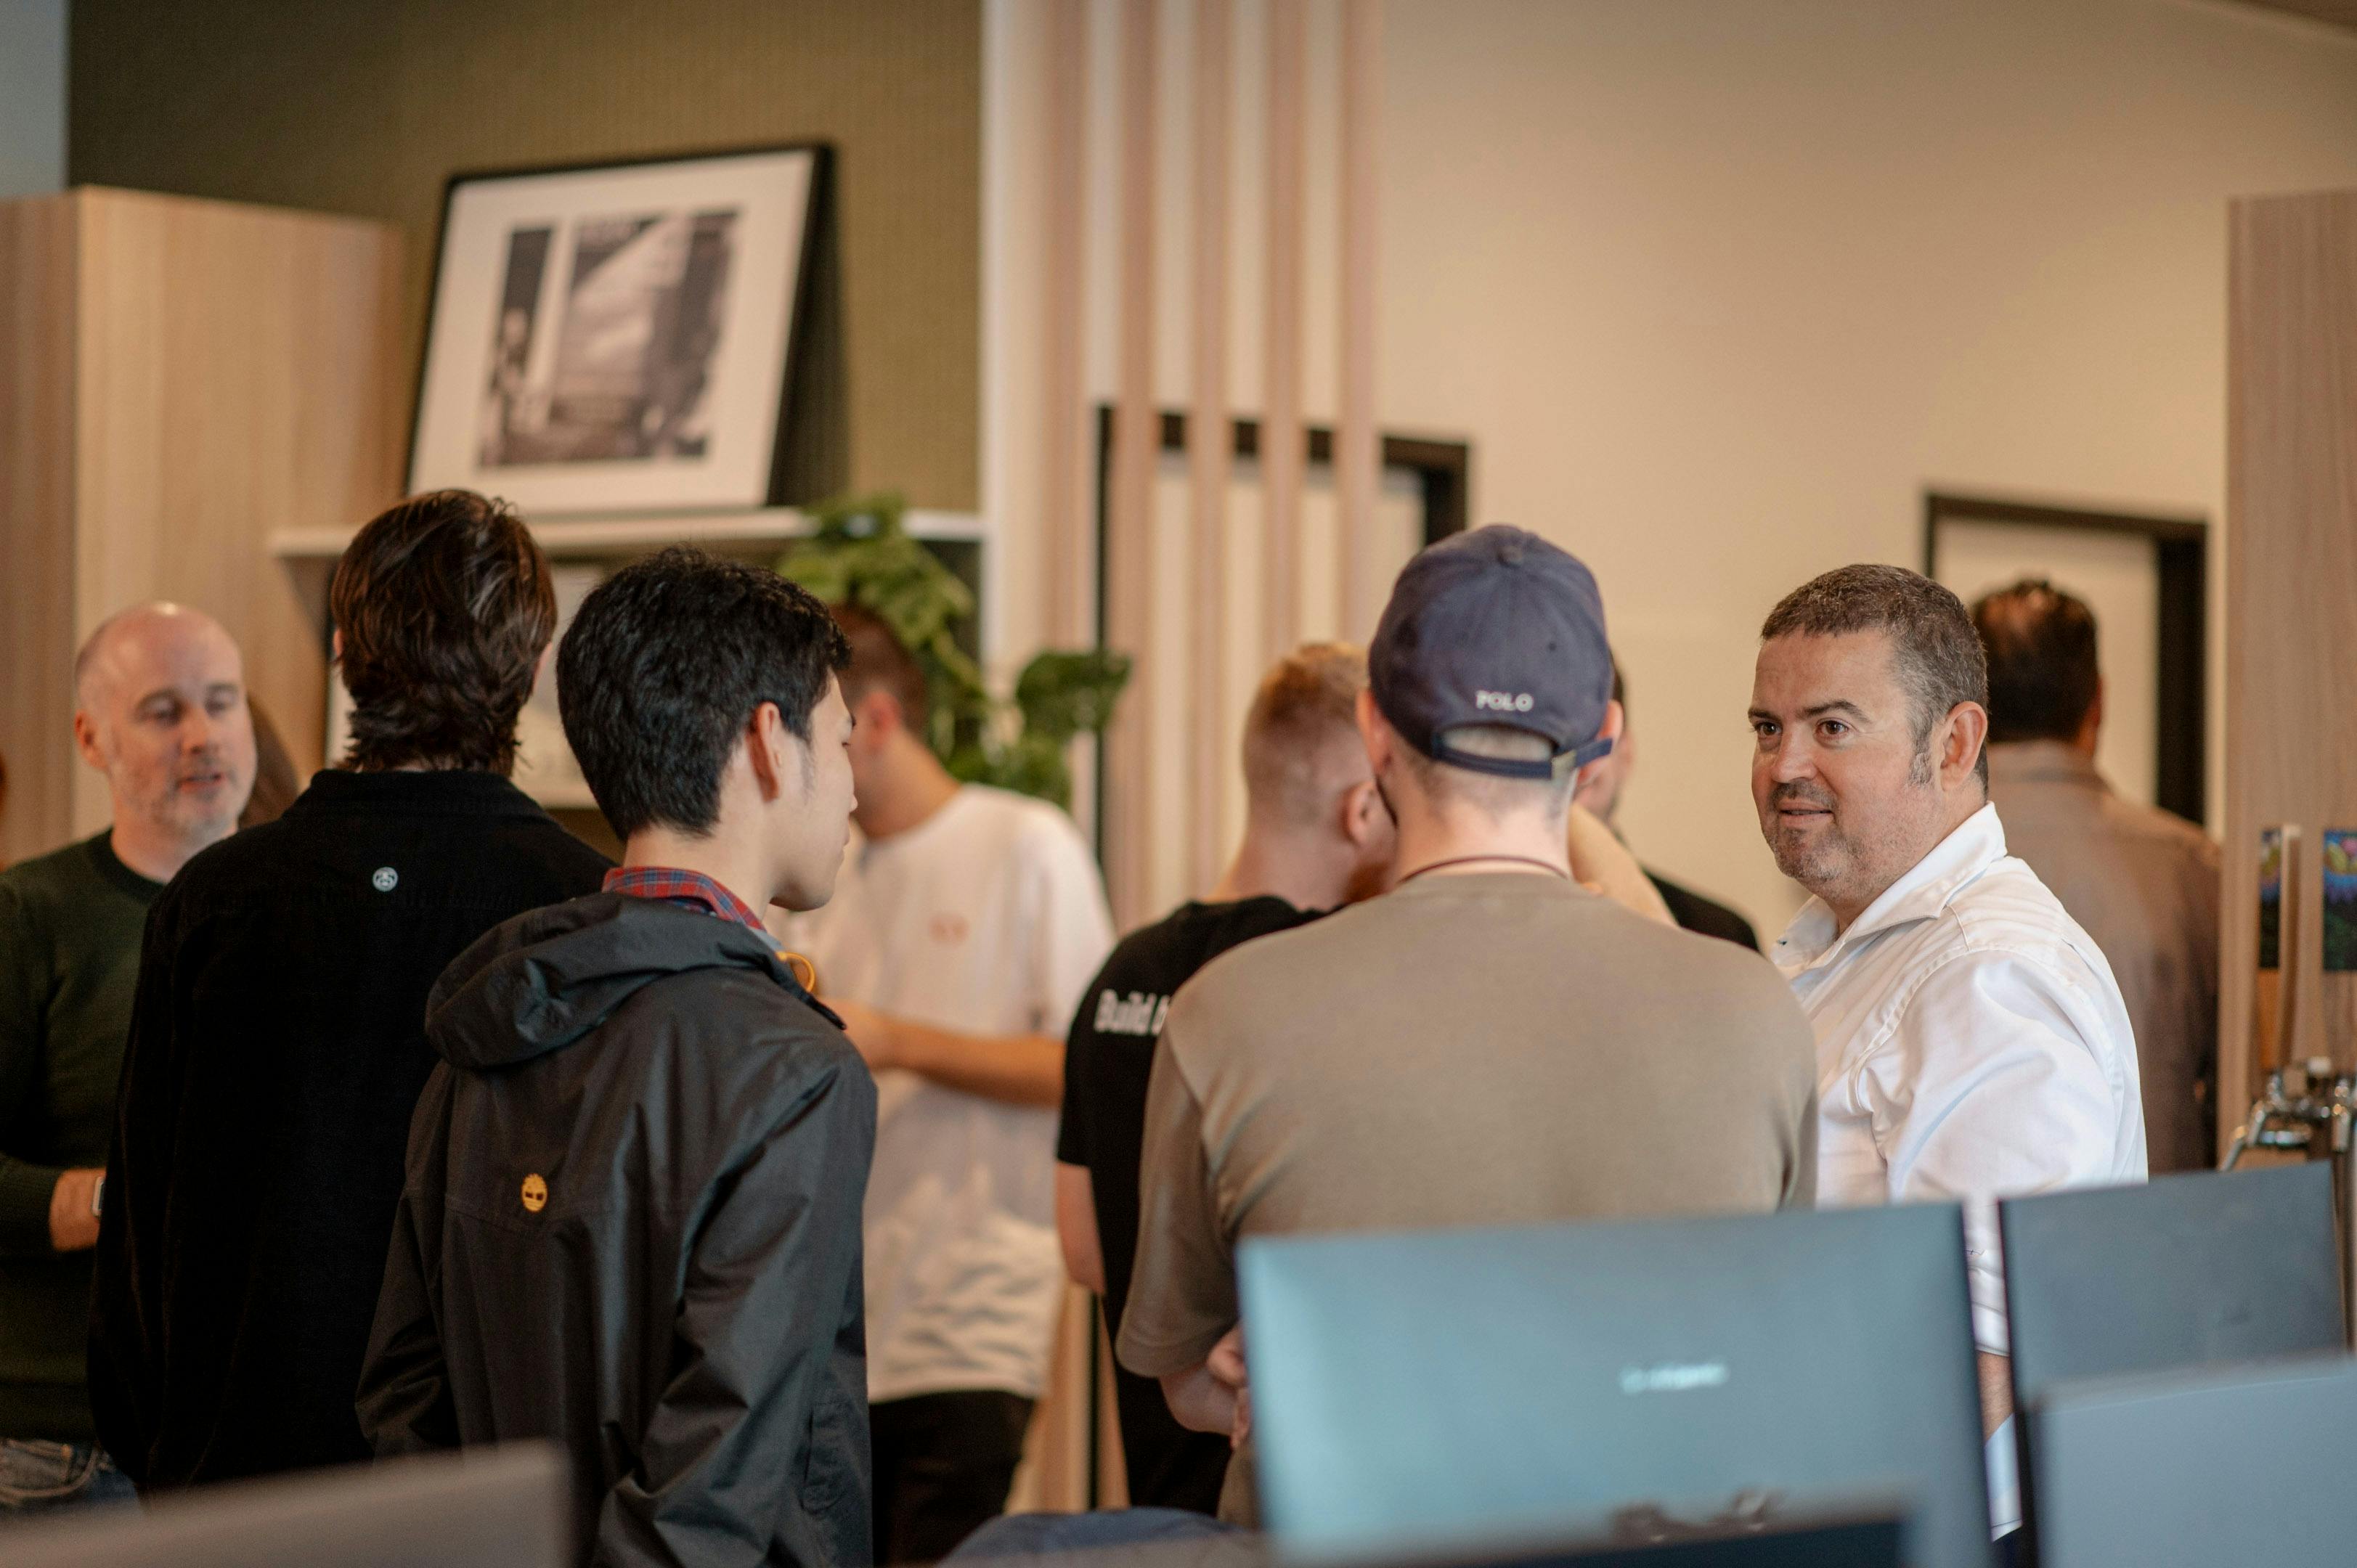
{"points": [[2291, 591], [36, 381], [238, 376], [179, 379]]}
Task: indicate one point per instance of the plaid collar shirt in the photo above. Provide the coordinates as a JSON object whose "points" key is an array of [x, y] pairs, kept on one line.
{"points": [[691, 889]]}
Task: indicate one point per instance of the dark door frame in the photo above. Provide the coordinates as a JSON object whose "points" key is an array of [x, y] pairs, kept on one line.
{"points": [[2180, 777]]}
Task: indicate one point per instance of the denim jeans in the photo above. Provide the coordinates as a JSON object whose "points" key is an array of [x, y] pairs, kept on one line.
{"points": [[36, 1474]]}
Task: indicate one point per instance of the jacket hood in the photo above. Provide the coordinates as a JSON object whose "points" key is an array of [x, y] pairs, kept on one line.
{"points": [[543, 981]]}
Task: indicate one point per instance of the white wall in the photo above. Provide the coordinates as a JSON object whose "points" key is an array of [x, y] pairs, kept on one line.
{"points": [[32, 97], [1717, 288]]}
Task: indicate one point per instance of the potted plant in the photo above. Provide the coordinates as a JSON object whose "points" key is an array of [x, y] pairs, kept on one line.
{"points": [[862, 554]]}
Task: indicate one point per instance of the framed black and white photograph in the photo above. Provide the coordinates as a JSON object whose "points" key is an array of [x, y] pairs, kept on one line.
{"points": [[616, 338]]}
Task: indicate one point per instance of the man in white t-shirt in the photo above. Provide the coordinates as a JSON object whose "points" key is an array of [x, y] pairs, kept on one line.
{"points": [[965, 926]]}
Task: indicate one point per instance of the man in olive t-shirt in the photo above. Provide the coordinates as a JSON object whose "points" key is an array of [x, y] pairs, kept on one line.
{"points": [[1490, 1042]]}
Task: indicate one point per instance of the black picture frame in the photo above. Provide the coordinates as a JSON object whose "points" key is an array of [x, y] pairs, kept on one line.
{"points": [[810, 444], [2181, 685]]}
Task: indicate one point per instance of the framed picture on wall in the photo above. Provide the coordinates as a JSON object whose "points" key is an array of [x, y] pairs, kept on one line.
{"points": [[616, 338]]}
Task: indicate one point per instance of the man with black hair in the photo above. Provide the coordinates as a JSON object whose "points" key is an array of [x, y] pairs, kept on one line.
{"points": [[968, 920], [631, 1217], [2144, 883], [276, 1042]]}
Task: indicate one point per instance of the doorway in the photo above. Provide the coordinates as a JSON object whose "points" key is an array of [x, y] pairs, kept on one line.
{"points": [[2147, 579]]}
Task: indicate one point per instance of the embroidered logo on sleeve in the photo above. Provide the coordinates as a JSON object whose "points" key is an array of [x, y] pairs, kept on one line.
{"points": [[536, 1194]]}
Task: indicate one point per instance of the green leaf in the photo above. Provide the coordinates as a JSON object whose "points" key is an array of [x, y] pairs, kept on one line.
{"points": [[860, 553], [1063, 692]]}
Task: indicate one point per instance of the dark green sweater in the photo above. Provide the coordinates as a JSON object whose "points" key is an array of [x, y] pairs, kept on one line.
{"points": [[70, 927]]}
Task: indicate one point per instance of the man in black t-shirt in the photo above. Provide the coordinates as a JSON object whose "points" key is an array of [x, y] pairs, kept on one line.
{"points": [[1315, 835]]}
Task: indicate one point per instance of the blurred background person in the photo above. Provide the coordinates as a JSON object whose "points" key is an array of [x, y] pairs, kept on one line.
{"points": [[2143, 882], [1317, 836], [277, 1042], [967, 923], [1599, 795], [160, 709]]}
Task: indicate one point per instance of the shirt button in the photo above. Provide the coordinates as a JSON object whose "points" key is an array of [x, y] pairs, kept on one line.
{"points": [[384, 879]]}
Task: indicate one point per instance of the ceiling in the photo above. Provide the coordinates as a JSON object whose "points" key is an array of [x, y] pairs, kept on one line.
{"points": [[2343, 12]]}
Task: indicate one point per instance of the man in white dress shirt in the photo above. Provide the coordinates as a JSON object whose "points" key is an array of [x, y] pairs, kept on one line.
{"points": [[1972, 1043]]}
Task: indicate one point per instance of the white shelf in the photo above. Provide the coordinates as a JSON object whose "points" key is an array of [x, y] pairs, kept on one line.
{"points": [[771, 525]]}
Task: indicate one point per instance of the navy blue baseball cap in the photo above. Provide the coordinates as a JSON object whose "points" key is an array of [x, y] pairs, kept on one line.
{"points": [[1495, 627]]}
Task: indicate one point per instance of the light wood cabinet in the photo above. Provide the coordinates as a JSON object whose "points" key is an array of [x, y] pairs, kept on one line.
{"points": [[179, 380]]}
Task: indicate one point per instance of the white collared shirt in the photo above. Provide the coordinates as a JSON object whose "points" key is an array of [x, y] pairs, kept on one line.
{"points": [[1971, 1045]]}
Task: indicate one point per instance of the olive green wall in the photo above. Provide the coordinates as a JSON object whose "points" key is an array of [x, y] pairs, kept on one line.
{"points": [[368, 107]]}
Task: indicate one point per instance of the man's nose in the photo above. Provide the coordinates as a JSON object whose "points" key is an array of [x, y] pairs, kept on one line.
{"points": [[1791, 759]]}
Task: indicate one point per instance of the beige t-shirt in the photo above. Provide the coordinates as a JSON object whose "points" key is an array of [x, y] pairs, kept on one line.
{"points": [[1483, 1049]]}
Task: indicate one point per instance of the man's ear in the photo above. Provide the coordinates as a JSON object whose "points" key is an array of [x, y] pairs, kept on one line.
{"points": [[773, 752], [1375, 734], [86, 741], [1962, 736], [1361, 810], [877, 715], [1609, 730]]}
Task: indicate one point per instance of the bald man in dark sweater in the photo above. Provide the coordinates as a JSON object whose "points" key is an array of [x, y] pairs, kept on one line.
{"points": [[161, 712]]}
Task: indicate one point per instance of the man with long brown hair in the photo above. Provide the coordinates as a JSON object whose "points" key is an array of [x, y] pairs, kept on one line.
{"points": [[277, 1036]]}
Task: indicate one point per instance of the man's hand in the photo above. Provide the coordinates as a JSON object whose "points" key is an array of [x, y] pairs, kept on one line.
{"points": [[1996, 1392], [1020, 1069], [72, 1227], [1226, 1365], [874, 1034], [1603, 866]]}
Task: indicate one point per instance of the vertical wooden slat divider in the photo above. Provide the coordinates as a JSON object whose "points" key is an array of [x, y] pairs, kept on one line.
{"points": [[1282, 453], [1358, 459], [1210, 450]]}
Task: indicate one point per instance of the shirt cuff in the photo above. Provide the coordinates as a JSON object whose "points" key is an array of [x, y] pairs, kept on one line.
{"points": [[24, 1192], [1990, 1335], [1161, 1358]]}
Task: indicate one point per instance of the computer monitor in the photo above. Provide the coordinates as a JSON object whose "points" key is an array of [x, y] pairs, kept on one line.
{"points": [[1446, 1387], [1856, 1543], [2175, 1470], [501, 1508], [2178, 1273]]}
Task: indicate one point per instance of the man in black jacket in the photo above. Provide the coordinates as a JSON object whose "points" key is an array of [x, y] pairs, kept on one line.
{"points": [[277, 1044], [632, 1216]]}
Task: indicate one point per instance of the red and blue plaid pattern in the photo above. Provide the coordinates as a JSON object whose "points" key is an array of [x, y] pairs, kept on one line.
{"points": [[677, 886]]}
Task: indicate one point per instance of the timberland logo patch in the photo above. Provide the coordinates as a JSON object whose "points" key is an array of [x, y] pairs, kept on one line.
{"points": [[1137, 1014], [536, 1194], [1503, 702]]}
